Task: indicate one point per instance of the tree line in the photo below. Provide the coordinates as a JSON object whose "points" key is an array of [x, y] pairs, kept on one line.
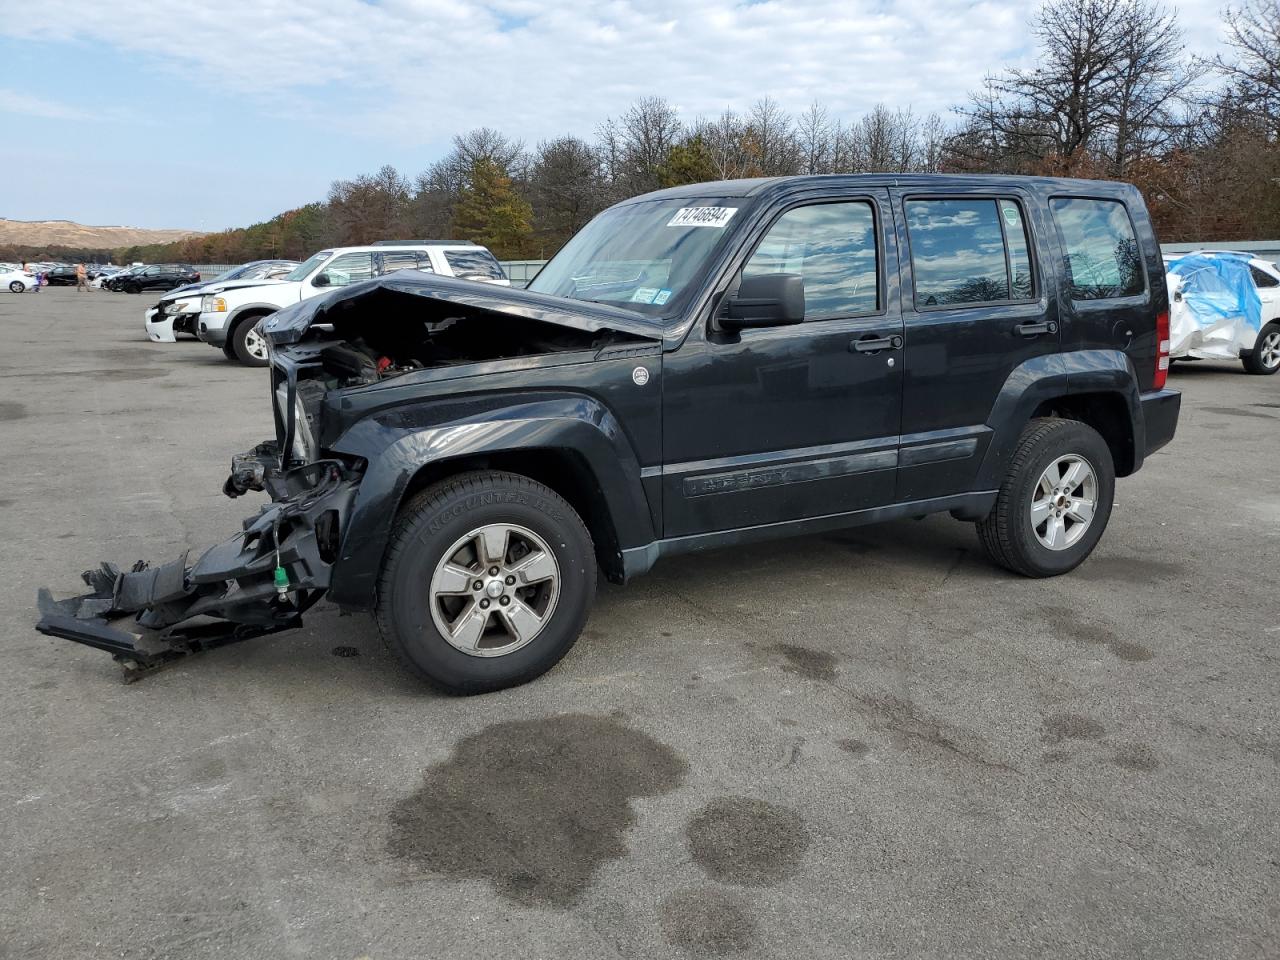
{"points": [[1114, 94]]}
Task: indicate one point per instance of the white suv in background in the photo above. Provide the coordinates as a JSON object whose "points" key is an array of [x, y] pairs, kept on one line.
{"points": [[230, 319]]}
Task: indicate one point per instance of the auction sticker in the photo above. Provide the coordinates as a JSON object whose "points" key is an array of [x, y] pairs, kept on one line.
{"points": [[717, 217]]}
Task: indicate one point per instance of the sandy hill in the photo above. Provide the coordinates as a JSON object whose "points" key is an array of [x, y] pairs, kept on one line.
{"points": [[40, 233]]}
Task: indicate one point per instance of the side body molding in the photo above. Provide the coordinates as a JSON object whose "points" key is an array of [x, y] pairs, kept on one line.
{"points": [[400, 441], [1047, 378]]}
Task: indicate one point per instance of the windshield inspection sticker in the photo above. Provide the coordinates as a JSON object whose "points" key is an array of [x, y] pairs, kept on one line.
{"points": [[644, 295], [717, 217], [662, 297]]}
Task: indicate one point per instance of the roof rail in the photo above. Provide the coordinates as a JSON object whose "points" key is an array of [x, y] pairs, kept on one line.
{"points": [[422, 243]]}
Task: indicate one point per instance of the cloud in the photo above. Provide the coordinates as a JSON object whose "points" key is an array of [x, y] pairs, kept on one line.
{"points": [[419, 70], [16, 102]]}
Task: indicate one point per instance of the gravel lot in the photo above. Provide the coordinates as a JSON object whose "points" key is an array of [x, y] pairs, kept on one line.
{"points": [[870, 744]]}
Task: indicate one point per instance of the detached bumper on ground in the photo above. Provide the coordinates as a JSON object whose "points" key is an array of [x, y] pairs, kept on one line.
{"points": [[258, 582]]}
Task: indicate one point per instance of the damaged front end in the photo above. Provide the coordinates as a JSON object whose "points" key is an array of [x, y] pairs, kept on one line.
{"points": [[260, 581], [386, 354]]}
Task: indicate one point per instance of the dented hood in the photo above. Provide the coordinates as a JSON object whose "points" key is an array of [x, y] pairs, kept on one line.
{"points": [[440, 297]]}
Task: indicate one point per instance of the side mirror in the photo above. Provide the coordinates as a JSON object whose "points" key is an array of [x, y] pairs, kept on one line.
{"points": [[321, 280], [767, 300]]}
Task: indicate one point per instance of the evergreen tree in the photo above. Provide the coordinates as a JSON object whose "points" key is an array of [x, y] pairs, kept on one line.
{"points": [[490, 212]]}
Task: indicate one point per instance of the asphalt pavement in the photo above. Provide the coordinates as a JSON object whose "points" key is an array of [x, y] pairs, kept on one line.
{"points": [[867, 744]]}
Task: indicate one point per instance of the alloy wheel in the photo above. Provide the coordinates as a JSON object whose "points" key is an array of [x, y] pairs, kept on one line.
{"points": [[1063, 502], [256, 344], [494, 590], [1269, 350]]}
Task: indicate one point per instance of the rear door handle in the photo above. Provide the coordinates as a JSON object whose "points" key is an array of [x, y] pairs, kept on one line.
{"points": [[874, 344], [1035, 329]]}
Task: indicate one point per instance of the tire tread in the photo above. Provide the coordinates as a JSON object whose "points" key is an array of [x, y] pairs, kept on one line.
{"points": [[423, 503]]}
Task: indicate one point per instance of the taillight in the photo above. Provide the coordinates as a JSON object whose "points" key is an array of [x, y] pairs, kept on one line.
{"points": [[1162, 350]]}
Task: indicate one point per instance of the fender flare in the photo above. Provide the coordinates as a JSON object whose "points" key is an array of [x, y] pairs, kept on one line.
{"points": [[234, 316], [400, 441], [1050, 377]]}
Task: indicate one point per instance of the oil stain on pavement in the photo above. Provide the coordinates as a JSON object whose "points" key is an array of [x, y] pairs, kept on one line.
{"points": [[748, 842], [706, 921], [817, 665], [534, 807], [1070, 726], [11, 411], [1138, 757]]}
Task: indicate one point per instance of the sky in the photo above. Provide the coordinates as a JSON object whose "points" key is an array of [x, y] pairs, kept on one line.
{"points": [[205, 115]]}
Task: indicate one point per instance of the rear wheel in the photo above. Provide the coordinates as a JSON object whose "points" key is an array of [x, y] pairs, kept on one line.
{"points": [[488, 580], [1265, 358], [1055, 501], [133, 288], [17, 286], [247, 343]]}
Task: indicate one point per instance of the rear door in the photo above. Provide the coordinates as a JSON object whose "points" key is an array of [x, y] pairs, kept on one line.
{"points": [[976, 308], [792, 422]]}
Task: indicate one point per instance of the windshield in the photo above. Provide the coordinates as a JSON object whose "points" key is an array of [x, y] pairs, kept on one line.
{"points": [[643, 254], [300, 272]]}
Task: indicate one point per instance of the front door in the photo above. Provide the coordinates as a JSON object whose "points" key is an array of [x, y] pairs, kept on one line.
{"points": [[782, 423]]}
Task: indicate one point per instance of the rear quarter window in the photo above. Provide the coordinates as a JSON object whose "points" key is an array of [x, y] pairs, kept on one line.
{"points": [[1101, 249], [473, 264]]}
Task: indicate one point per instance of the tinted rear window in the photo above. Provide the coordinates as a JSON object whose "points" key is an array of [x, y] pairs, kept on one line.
{"points": [[1103, 260], [968, 250], [470, 264]]}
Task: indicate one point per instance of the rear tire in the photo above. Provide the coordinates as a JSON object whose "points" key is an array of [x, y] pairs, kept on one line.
{"points": [[1264, 360], [133, 288], [1055, 501], [463, 640], [248, 345]]}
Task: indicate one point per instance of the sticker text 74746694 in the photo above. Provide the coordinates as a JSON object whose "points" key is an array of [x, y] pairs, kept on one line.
{"points": [[702, 217]]}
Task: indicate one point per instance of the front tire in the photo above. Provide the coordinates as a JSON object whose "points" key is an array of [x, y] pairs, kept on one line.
{"points": [[455, 623], [1055, 501], [247, 344], [17, 286], [1265, 358]]}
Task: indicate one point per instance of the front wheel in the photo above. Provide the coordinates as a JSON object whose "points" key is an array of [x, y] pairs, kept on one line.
{"points": [[17, 286], [1265, 358], [248, 344], [488, 580], [1055, 500]]}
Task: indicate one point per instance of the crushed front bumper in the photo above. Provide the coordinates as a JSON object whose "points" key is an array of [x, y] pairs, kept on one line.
{"points": [[258, 582]]}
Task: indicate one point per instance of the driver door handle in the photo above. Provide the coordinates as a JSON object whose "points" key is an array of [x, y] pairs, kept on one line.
{"points": [[1035, 329], [873, 344]]}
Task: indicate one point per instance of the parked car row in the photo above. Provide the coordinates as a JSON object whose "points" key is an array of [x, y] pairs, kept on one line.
{"points": [[226, 311], [18, 278]]}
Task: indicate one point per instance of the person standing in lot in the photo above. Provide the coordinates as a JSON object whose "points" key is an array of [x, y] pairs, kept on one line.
{"points": [[82, 279]]}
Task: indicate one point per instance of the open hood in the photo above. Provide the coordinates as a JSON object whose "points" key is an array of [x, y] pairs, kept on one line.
{"points": [[435, 298], [199, 289]]}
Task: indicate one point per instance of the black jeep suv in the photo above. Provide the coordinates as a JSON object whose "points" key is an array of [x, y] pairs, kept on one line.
{"points": [[697, 368]]}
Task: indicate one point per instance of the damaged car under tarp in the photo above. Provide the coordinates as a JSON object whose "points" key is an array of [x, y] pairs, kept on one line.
{"points": [[1215, 312], [332, 360]]}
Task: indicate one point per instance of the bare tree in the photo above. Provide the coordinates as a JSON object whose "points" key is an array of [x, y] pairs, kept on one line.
{"points": [[1253, 34], [815, 137], [566, 187], [636, 145]]}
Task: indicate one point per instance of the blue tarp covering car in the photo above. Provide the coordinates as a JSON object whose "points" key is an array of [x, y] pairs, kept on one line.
{"points": [[1215, 311]]}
